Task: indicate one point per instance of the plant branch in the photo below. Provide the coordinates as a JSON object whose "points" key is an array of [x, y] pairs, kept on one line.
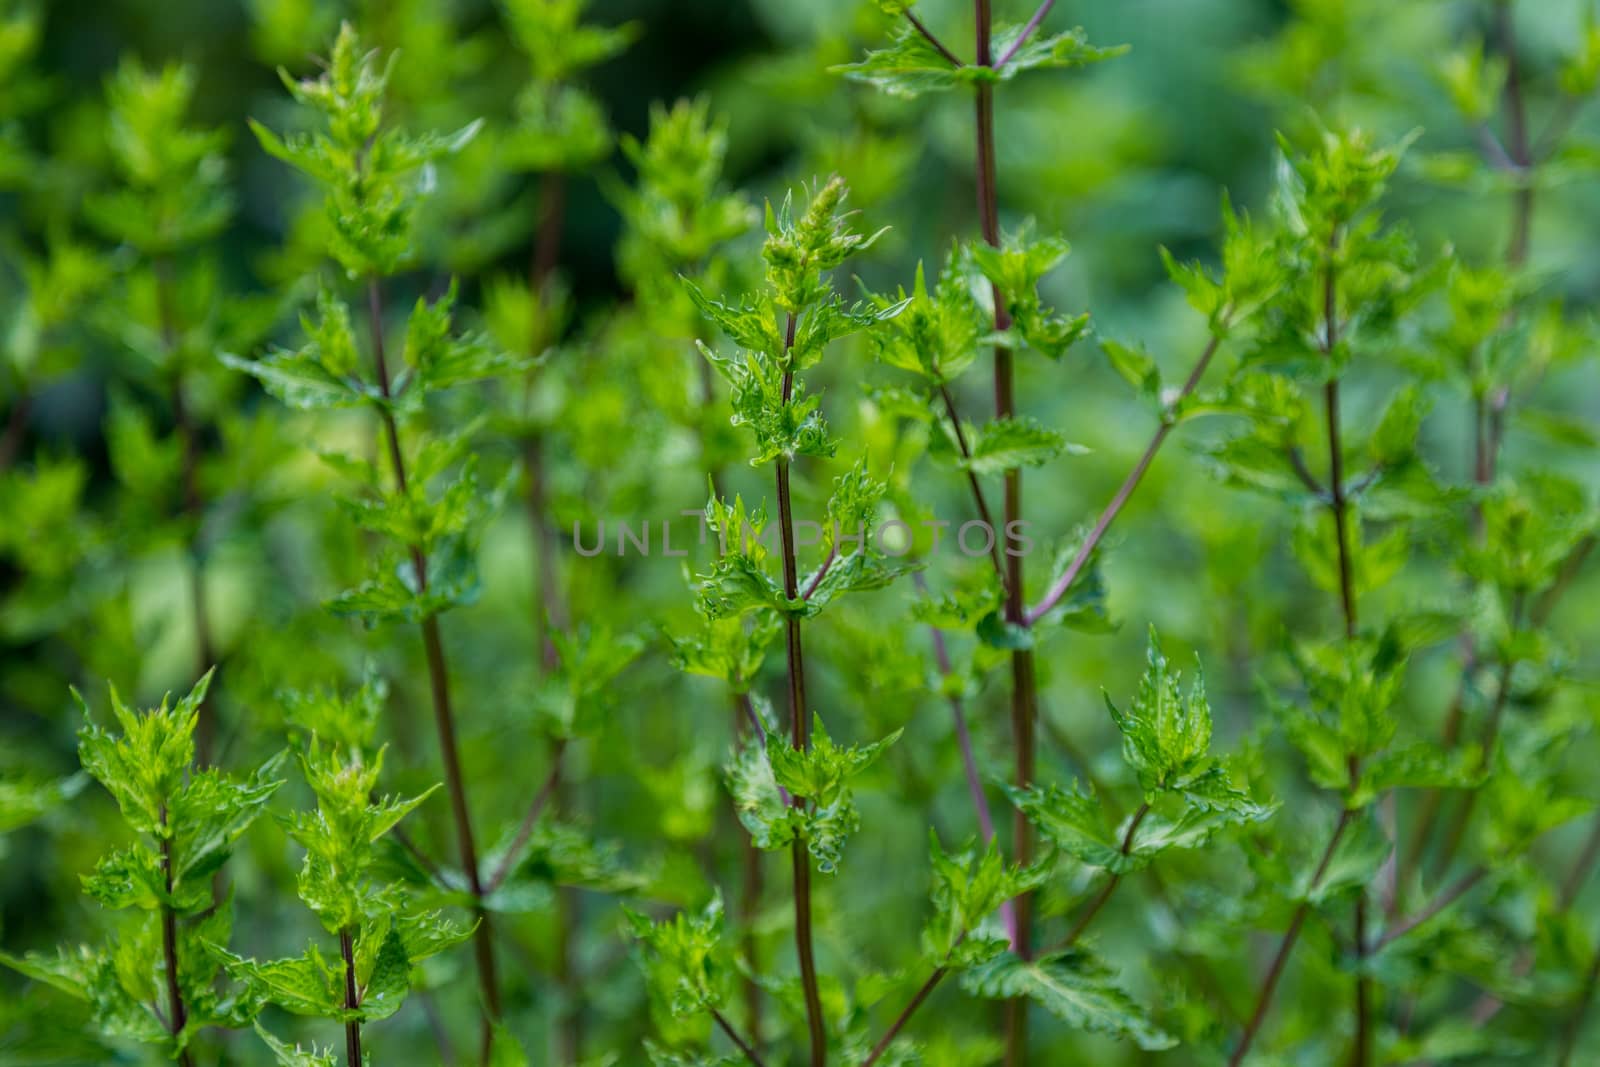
{"points": [[822, 572], [938, 45], [1488, 1006], [1568, 574], [547, 239], [1062, 584], [551, 613], [1457, 890], [1024, 709], [1027, 31], [1494, 151], [530, 820], [178, 1015], [545, 254], [1517, 128], [800, 735], [1572, 885], [439, 687], [1491, 734], [403, 839], [1111, 884], [904, 1017], [352, 1001], [733, 1035], [1337, 502], [1297, 460], [969, 759], [972, 481], [1269, 984]]}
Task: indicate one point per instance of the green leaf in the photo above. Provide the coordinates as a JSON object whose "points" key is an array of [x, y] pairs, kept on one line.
{"points": [[820, 776], [130, 878], [968, 888], [385, 986], [830, 320], [1361, 852], [299, 379], [1135, 366], [439, 359], [909, 67], [1395, 440], [1166, 734], [210, 814], [762, 807], [506, 1051], [1473, 80], [1020, 441], [1419, 766], [995, 631], [1048, 51], [144, 767], [1523, 797], [308, 985], [801, 249], [937, 336], [752, 324], [1074, 822], [1015, 269], [685, 961], [1075, 988], [294, 1056], [558, 43]]}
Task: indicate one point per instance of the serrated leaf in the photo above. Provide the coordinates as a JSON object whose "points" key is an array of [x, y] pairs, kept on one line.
{"points": [[1020, 441], [1072, 986]]}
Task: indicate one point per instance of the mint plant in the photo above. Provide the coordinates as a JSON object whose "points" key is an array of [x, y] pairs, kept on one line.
{"points": [[380, 938], [878, 535], [157, 983], [435, 505], [785, 329]]}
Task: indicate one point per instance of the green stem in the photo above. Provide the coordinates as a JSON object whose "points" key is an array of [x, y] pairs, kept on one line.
{"points": [[193, 503], [178, 1014], [1062, 584], [978, 499], [444, 714], [733, 1035], [904, 1017], [1023, 694], [1111, 884], [800, 737], [352, 1000], [1339, 503], [1269, 984]]}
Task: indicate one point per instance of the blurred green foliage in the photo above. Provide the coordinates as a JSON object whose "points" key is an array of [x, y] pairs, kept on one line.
{"points": [[327, 373]]}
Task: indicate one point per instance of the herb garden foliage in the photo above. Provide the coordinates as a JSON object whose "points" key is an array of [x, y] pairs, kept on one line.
{"points": [[875, 729]]}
